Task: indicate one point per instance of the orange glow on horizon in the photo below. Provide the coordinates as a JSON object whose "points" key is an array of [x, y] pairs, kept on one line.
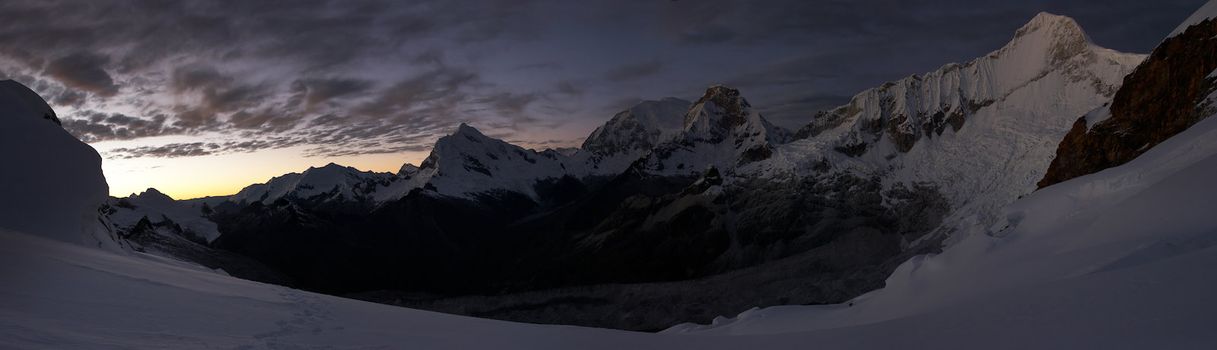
{"points": [[219, 175]]}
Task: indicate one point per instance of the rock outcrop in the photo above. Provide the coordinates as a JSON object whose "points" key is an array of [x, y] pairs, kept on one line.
{"points": [[1169, 92]]}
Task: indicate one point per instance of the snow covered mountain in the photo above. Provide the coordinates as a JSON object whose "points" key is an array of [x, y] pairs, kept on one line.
{"points": [[982, 132], [1117, 259], [330, 182], [1120, 257], [1173, 85], [638, 129], [468, 163], [632, 134], [153, 208], [890, 175], [1113, 253], [721, 131], [1122, 232]]}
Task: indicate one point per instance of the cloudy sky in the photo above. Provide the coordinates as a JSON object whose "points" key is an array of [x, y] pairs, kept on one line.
{"points": [[204, 97]]}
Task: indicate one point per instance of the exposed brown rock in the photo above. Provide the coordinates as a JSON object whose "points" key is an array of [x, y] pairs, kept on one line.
{"points": [[1162, 97], [755, 154], [904, 140], [730, 101]]}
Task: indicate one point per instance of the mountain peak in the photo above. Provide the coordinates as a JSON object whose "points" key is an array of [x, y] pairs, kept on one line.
{"points": [[328, 168], [733, 105], [640, 127], [152, 196], [466, 129], [1049, 22], [407, 170], [1055, 37]]}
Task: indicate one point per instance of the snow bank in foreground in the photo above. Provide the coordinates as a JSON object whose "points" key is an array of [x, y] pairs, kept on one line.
{"points": [[51, 183]]}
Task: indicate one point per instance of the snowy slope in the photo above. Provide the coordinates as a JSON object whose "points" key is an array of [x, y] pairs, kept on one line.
{"points": [[158, 207], [51, 181], [630, 135], [330, 182], [1115, 259], [984, 132], [1120, 259], [62, 296], [639, 128]]}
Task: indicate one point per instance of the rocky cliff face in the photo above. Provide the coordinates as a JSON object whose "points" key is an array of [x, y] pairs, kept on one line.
{"points": [[1169, 92]]}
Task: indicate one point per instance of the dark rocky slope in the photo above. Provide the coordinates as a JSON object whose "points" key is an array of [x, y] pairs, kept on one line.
{"points": [[1164, 96]]}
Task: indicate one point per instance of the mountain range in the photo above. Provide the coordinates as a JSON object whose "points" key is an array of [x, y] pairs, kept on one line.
{"points": [[673, 192], [1050, 193]]}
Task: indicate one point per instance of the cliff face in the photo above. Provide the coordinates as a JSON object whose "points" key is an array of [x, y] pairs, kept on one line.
{"points": [[1167, 93]]}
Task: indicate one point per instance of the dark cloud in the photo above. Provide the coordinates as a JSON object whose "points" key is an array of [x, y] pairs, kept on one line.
{"points": [[217, 95], [69, 98], [98, 126], [509, 104], [194, 149], [432, 56], [427, 95], [316, 91], [567, 87], [264, 120], [84, 71], [197, 78], [373, 76], [540, 66], [634, 71], [189, 149], [713, 34]]}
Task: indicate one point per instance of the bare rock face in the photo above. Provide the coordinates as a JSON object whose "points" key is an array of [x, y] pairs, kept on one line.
{"points": [[1165, 95], [734, 106]]}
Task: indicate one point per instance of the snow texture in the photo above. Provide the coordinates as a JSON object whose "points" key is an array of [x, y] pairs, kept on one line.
{"points": [[331, 182], [1117, 259], [468, 162], [158, 207], [1012, 106], [639, 128], [52, 183]]}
